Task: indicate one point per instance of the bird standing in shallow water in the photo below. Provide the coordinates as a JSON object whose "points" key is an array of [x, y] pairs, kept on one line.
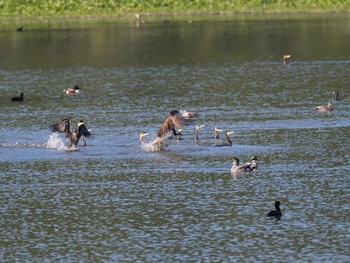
{"points": [[17, 99], [324, 108], [72, 137], [276, 213]]}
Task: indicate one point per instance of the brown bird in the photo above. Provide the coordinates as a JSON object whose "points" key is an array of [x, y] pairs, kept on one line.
{"points": [[169, 125], [72, 137]]}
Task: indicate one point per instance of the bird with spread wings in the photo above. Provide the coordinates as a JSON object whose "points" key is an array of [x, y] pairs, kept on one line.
{"points": [[73, 137]]}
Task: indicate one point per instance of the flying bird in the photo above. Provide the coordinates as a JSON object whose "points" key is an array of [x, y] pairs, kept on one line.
{"points": [[72, 136]]}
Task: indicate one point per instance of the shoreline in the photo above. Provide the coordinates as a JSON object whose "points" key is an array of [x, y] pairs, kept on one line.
{"points": [[180, 14]]}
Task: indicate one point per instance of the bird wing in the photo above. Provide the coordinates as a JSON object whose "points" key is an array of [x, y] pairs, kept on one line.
{"points": [[63, 126], [85, 131], [169, 124]]}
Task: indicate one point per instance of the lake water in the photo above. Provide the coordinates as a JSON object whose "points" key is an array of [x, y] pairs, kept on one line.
{"points": [[112, 201]]}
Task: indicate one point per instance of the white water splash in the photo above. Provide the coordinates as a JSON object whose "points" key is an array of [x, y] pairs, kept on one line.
{"points": [[55, 142]]}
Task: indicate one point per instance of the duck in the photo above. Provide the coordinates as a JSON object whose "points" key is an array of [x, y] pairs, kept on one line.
{"points": [[196, 132], [324, 108], [252, 164], [229, 142], [73, 90], [237, 168], [64, 126], [276, 213], [216, 131], [336, 95], [20, 29], [18, 99], [285, 58]]}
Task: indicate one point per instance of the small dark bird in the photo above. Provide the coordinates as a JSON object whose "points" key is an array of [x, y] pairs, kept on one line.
{"points": [[72, 137], [20, 29], [20, 98], [276, 213]]}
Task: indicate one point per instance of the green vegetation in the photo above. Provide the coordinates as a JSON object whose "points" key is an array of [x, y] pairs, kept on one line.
{"points": [[49, 8]]}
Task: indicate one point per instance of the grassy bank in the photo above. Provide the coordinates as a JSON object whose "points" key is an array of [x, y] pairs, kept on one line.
{"points": [[57, 8]]}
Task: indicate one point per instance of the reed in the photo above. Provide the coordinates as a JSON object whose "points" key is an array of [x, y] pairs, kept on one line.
{"points": [[48, 8]]}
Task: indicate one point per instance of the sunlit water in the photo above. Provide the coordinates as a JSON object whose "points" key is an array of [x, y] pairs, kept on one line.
{"points": [[114, 200]]}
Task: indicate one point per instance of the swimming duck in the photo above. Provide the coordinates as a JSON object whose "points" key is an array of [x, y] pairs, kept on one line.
{"points": [[216, 133], [72, 137], [20, 98], [324, 108], [252, 164], [196, 132], [276, 213], [336, 95], [20, 29], [73, 90], [285, 58], [237, 168], [229, 142]]}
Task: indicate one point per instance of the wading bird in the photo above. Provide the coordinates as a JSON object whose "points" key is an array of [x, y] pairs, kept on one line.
{"points": [[324, 108], [72, 136], [16, 99], [276, 213]]}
